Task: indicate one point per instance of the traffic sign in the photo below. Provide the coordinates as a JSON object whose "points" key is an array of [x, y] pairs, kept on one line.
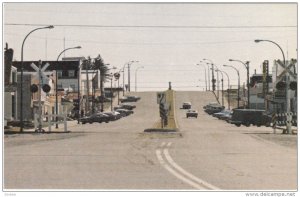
{"points": [[40, 72], [286, 69]]}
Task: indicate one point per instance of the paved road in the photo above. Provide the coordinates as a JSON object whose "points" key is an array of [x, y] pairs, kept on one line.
{"points": [[208, 154]]}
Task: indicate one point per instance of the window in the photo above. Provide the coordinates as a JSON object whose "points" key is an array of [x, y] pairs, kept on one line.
{"points": [[59, 73], [71, 73]]}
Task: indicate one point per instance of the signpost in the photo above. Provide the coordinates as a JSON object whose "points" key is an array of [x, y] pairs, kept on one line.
{"points": [[40, 76], [286, 73], [163, 108]]}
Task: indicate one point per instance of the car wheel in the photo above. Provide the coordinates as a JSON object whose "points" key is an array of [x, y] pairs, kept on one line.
{"points": [[247, 124], [238, 125]]}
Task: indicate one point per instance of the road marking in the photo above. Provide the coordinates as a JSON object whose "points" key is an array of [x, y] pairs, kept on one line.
{"points": [[184, 172], [178, 171], [168, 168]]}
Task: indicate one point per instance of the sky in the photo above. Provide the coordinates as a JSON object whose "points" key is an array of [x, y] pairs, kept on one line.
{"points": [[168, 39]]}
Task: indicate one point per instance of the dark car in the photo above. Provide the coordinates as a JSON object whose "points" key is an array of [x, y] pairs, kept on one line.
{"points": [[247, 117], [124, 112], [113, 115], [86, 119], [214, 109], [186, 105], [129, 99], [125, 106], [100, 117], [192, 113], [210, 104]]}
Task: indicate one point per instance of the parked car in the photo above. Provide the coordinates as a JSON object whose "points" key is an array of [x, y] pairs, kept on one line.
{"points": [[125, 106], [192, 113], [210, 104], [211, 109], [97, 117], [100, 117], [86, 119], [129, 99], [221, 113], [226, 117], [247, 117], [113, 115], [124, 112], [186, 105]]}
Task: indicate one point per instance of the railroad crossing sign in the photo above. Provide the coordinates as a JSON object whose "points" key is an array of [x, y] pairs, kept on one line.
{"points": [[286, 69], [40, 71]]}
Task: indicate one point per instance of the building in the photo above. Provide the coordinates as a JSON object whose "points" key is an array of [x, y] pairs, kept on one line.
{"points": [[67, 73]]}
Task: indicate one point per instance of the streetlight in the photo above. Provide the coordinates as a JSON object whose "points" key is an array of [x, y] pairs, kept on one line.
{"points": [[22, 68], [238, 73], [136, 76], [129, 74], [207, 74], [127, 63], [228, 93], [288, 101], [205, 77], [56, 82], [246, 64], [213, 78], [217, 70]]}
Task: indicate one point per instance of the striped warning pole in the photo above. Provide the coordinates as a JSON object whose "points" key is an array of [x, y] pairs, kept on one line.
{"points": [[274, 122]]}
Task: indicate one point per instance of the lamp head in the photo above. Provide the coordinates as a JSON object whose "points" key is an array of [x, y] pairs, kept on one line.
{"points": [[257, 40], [78, 47], [50, 27], [230, 60]]}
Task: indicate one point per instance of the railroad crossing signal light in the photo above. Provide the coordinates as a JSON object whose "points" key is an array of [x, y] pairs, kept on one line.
{"points": [[46, 88], [33, 88], [281, 85], [293, 85]]}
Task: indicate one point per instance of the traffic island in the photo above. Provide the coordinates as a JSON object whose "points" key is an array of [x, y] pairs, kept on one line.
{"points": [[168, 123]]}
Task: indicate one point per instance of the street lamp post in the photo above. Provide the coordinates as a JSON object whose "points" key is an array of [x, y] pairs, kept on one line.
{"points": [[228, 92], [56, 82], [246, 64], [22, 69], [127, 63], [217, 70], [288, 101], [212, 74], [208, 77], [129, 74], [205, 76], [136, 77], [238, 73]]}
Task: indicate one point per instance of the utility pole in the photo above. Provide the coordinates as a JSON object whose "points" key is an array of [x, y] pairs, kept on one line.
{"points": [[87, 85]]}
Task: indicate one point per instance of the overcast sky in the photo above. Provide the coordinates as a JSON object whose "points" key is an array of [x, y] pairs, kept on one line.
{"points": [[167, 39]]}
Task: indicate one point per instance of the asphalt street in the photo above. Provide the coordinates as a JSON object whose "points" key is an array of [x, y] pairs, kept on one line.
{"points": [[206, 154]]}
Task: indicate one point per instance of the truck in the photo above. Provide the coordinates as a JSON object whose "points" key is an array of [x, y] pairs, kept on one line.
{"points": [[247, 117]]}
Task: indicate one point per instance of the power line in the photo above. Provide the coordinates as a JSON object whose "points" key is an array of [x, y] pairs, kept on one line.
{"points": [[158, 26]]}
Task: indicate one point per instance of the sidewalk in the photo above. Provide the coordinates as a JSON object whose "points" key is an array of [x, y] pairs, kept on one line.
{"points": [[70, 124]]}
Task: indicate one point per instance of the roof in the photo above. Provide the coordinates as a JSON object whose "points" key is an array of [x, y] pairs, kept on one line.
{"points": [[54, 65]]}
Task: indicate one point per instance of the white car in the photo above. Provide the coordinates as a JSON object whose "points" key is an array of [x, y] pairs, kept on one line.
{"points": [[192, 113]]}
